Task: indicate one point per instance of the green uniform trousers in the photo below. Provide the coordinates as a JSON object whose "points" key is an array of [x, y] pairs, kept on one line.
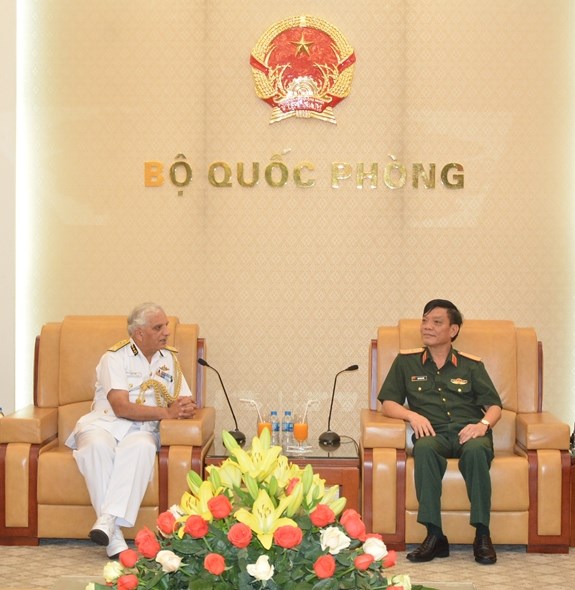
{"points": [[475, 456]]}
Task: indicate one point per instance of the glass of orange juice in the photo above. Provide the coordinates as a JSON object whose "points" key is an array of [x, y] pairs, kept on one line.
{"points": [[264, 424], [300, 433]]}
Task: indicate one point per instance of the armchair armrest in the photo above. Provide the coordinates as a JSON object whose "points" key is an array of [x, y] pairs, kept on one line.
{"points": [[29, 425], [195, 431], [542, 430], [379, 431]]}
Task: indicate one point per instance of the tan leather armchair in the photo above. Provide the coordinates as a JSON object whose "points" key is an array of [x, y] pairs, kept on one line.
{"points": [[42, 493], [530, 472]]}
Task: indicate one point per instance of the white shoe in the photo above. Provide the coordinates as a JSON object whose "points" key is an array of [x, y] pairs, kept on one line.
{"points": [[117, 543], [103, 529]]}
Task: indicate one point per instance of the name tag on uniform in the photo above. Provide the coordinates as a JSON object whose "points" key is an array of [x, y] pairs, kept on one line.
{"points": [[418, 378]]}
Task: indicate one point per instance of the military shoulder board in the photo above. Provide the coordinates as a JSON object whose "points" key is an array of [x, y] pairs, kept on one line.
{"points": [[470, 356], [411, 350], [119, 345]]}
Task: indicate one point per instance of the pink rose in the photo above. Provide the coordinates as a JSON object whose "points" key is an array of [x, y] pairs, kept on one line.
{"points": [[215, 564], [322, 515], [196, 526], [128, 582], [324, 566], [220, 506], [353, 525], [147, 543], [240, 535], [166, 522], [390, 559], [288, 536], [363, 561], [128, 558]]}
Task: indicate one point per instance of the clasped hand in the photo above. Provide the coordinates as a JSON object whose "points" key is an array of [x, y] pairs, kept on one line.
{"points": [[183, 407]]}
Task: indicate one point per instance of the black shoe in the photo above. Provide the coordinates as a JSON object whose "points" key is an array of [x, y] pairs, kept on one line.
{"points": [[432, 547], [483, 550]]}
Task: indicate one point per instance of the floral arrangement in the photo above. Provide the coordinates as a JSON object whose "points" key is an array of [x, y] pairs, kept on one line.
{"points": [[256, 522]]}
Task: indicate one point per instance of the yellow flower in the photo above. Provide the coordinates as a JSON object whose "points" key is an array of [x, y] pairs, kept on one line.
{"points": [[198, 504], [264, 518], [228, 474], [260, 462]]}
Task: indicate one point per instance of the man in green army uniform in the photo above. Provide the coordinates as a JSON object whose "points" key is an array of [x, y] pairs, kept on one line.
{"points": [[452, 406]]}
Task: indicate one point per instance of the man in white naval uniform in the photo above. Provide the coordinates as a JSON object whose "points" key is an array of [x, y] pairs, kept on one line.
{"points": [[138, 383]]}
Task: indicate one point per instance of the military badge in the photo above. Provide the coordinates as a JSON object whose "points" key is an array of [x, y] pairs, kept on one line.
{"points": [[459, 381], [303, 67]]}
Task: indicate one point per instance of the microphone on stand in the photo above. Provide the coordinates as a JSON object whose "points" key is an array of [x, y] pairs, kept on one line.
{"points": [[237, 434], [330, 438]]}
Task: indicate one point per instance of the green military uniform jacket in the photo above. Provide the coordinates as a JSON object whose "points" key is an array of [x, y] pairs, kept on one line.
{"points": [[454, 394]]}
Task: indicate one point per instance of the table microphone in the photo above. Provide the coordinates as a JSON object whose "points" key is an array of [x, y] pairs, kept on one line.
{"points": [[237, 434], [330, 438]]}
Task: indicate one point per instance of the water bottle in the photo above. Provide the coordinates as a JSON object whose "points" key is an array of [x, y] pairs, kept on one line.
{"points": [[287, 430], [276, 435]]}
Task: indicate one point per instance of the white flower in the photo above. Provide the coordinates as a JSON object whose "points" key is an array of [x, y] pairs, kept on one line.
{"points": [[112, 571], [334, 540], [375, 547], [169, 561], [261, 569], [176, 511], [402, 580]]}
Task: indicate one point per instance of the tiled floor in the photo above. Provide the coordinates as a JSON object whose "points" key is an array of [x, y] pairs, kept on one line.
{"points": [[38, 568]]}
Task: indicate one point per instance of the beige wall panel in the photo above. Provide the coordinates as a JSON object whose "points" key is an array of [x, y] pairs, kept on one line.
{"points": [[289, 284]]}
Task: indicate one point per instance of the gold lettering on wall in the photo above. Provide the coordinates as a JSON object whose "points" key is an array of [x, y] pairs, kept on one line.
{"points": [[393, 175]]}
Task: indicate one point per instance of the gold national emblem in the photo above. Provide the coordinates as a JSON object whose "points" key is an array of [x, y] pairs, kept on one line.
{"points": [[303, 67]]}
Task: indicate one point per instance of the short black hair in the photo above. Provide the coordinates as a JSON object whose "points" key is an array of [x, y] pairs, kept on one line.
{"points": [[453, 313]]}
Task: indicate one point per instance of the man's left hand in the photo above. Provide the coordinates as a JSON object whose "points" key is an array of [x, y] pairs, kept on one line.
{"points": [[186, 407], [472, 431]]}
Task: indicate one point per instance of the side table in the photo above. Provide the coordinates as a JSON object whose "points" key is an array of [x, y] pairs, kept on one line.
{"points": [[338, 467]]}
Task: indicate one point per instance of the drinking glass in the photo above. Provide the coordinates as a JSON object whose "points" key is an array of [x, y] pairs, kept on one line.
{"points": [[265, 424], [300, 434]]}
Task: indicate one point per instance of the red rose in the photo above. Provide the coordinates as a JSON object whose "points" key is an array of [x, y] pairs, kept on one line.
{"points": [[166, 522], [128, 582], [147, 543], [322, 515], [196, 526], [220, 506], [215, 563], [353, 525], [363, 561], [390, 559], [324, 566], [128, 558], [240, 535], [288, 536], [374, 536]]}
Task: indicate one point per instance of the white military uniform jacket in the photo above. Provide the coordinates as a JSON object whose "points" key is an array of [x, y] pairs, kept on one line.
{"points": [[125, 367]]}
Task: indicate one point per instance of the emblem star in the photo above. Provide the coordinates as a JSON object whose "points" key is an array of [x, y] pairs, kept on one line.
{"points": [[302, 46]]}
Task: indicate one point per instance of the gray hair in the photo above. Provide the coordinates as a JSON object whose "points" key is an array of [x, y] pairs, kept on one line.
{"points": [[138, 318]]}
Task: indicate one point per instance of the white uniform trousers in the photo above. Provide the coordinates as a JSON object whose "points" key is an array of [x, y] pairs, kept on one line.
{"points": [[117, 473]]}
